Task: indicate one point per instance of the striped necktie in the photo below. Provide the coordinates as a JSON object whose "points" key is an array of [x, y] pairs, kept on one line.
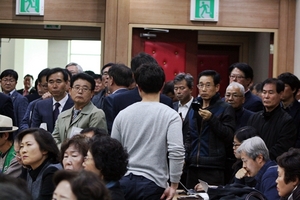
{"points": [[75, 114]]}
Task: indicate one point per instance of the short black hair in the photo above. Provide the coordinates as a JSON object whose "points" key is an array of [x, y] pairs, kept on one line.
{"points": [[9, 72], [56, 70], [291, 80], [10, 136], [244, 67], [150, 77], [187, 77], [43, 73], [45, 140], [278, 83], [83, 76], [28, 75], [215, 75], [105, 66], [121, 74], [110, 157], [168, 87], [97, 131], [141, 58], [245, 133], [97, 76]]}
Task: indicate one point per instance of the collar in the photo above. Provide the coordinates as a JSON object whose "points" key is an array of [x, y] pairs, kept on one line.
{"points": [[3, 154], [11, 92], [111, 184], [264, 168], [62, 101], [188, 104], [213, 100], [118, 90], [268, 115]]}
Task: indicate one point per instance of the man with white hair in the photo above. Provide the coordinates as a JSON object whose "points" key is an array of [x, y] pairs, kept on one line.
{"points": [[235, 96], [256, 163], [74, 68]]}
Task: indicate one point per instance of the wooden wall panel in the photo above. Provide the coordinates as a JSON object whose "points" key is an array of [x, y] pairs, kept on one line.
{"points": [[60, 10], [233, 13]]}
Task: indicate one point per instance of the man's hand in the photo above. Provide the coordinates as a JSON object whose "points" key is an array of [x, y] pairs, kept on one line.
{"points": [[205, 114], [241, 173], [170, 192]]}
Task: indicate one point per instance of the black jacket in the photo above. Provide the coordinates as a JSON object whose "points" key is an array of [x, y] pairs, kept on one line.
{"points": [[276, 128]]}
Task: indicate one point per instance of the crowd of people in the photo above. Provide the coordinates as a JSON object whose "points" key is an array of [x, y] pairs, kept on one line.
{"points": [[81, 135]]}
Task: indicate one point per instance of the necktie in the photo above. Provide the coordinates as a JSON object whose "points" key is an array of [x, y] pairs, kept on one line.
{"points": [[55, 112], [25, 92], [75, 113]]}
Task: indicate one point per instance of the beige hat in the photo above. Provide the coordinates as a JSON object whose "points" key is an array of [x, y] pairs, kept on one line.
{"points": [[6, 124]]}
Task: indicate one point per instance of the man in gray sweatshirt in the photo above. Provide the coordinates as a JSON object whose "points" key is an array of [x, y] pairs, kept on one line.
{"points": [[152, 134]]}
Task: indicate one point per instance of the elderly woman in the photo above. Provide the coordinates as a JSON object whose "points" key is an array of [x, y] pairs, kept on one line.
{"points": [[73, 151], [108, 159], [289, 175], [79, 185], [39, 153]]}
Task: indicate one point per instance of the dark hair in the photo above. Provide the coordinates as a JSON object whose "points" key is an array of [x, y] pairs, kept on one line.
{"points": [[83, 76], [278, 83], [245, 133], [291, 80], [28, 75], [10, 136], [150, 77], [97, 131], [13, 188], [105, 66], [43, 73], [244, 67], [89, 72], [45, 140], [215, 75], [80, 142], [290, 162], [97, 76], [141, 58], [121, 74], [69, 74], [187, 77], [168, 87], [9, 72], [257, 87], [84, 184], [109, 157], [56, 70]]}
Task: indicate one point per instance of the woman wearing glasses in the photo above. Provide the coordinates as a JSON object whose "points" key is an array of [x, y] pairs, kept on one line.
{"points": [[108, 159]]}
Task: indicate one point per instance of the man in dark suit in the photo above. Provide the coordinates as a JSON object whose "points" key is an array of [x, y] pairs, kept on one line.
{"points": [[127, 98], [9, 79], [183, 88], [6, 106], [28, 88], [119, 79], [243, 74], [46, 111]]}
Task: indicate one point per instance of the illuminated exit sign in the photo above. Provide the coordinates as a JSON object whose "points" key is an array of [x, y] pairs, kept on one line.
{"points": [[30, 7], [204, 10]]}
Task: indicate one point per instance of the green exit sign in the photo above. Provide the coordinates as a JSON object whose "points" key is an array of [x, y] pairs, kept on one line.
{"points": [[204, 10], [30, 7]]}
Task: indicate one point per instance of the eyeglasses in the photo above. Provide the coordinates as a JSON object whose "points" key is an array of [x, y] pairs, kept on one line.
{"points": [[77, 88], [207, 86], [87, 158], [239, 77], [8, 80], [236, 144], [233, 95]]}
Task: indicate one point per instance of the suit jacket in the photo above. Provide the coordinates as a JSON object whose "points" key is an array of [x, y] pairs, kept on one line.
{"points": [[27, 119], [31, 91], [90, 116], [6, 107], [253, 102], [20, 105], [129, 97], [108, 108], [32, 97], [43, 112]]}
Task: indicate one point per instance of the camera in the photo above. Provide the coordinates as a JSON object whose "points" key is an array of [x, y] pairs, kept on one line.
{"points": [[196, 105]]}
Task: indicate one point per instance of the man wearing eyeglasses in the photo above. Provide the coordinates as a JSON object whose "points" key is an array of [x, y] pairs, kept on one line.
{"points": [[211, 132], [83, 114], [45, 112], [235, 97], [243, 74], [9, 80]]}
